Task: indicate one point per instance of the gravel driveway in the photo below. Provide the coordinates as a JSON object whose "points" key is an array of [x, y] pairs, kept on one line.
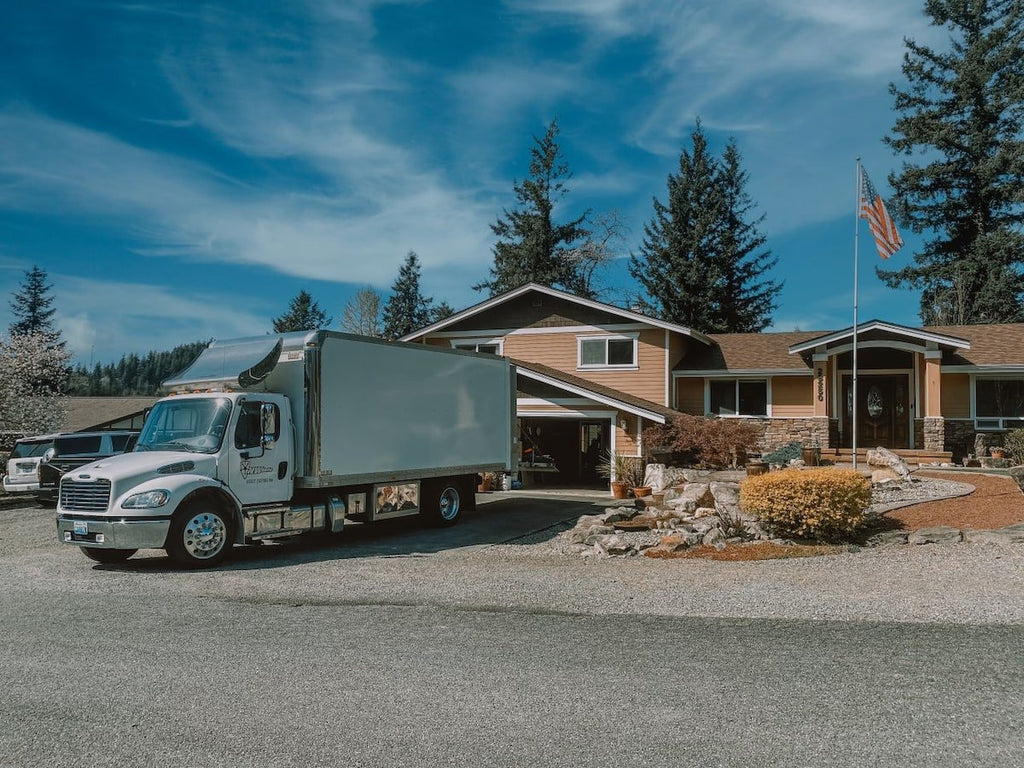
{"points": [[504, 557]]}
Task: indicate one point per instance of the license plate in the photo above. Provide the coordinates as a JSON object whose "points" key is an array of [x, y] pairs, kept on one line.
{"points": [[81, 528]]}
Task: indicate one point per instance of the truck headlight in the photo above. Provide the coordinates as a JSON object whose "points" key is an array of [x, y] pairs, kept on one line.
{"points": [[146, 500]]}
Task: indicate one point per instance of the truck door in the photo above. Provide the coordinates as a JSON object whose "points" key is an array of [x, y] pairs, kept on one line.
{"points": [[260, 464]]}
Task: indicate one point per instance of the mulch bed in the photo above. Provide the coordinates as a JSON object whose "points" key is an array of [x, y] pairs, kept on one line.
{"points": [[995, 503]]}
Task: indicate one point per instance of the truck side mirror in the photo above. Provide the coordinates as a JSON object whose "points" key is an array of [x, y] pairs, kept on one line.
{"points": [[269, 418]]}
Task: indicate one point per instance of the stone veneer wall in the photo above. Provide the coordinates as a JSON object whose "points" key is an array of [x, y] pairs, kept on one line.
{"points": [[960, 437], [775, 433]]}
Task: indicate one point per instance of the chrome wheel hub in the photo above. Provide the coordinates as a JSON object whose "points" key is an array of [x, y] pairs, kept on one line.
{"points": [[205, 535]]}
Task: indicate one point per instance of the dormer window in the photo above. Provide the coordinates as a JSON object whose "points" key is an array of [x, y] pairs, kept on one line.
{"points": [[607, 351]]}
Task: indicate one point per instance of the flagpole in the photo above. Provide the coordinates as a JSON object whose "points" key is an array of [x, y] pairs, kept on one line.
{"points": [[856, 238]]}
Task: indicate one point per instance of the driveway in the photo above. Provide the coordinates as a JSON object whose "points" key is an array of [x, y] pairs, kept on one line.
{"points": [[481, 645]]}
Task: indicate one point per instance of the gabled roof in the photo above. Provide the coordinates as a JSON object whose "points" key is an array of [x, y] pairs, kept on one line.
{"points": [[92, 413], [597, 392], [917, 334], [536, 287]]}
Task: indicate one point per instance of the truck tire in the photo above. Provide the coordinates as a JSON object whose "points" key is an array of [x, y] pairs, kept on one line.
{"points": [[200, 535], [107, 555], [442, 502]]}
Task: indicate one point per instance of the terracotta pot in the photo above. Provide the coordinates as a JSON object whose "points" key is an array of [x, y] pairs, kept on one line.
{"points": [[643, 490], [998, 453], [619, 489], [811, 455]]}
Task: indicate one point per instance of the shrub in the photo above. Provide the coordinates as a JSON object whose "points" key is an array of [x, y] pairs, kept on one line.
{"points": [[703, 441], [1013, 441], [825, 504], [785, 454]]}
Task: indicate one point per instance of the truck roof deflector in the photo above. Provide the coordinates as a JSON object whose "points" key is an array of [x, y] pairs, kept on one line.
{"points": [[240, 363]]}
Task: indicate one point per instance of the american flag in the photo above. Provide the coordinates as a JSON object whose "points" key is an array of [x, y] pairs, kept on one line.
{"points": [[883, 228]]}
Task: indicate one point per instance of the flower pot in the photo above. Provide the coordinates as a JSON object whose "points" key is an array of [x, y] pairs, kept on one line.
{"points": [[619, 489], [755, 468], [643, 490], [998, 453], [811, 455]]}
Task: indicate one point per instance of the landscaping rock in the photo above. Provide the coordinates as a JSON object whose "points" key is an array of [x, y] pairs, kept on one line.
{"points": [[613, 545], [939, 534], [1017, 473], [998, 536], [714, 538], [727, 494], [883, 457], [884, 475], [888, 538], [704, 512], [694, 495]]}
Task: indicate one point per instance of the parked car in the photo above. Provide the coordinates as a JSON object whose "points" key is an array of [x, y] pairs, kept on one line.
{"points": [[23, 463], [73, 450]]}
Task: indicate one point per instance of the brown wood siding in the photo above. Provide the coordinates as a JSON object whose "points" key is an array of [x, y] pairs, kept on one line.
{"points": [[679, 346], [956, 395], [625, 441], [435, 342], [690, 396], [559, 351], [792, 396]]}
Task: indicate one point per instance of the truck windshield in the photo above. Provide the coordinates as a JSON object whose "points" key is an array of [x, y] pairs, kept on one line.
{"points": [[195, 425]]}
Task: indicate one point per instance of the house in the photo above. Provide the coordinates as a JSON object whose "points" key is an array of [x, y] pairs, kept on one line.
{"points": [[592, 376]]}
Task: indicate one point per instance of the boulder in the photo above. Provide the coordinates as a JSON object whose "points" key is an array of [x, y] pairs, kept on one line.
{"points": [[888, 538], [654, 477], [613, 545], [883, 457], [726, 493], [884, 475], [1017, 473], [938, 534], [998, 536], [694, 495], [714, 538]]}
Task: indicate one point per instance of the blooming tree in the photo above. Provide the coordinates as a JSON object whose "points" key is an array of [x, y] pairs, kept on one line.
{"points": [[33, 372]]}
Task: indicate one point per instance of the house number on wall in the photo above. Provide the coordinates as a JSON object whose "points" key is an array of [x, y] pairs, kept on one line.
{"points": [[820, 374]]}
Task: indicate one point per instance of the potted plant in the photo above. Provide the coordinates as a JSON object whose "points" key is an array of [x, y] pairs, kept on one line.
{"points": [[626, 470], [998, 452]]}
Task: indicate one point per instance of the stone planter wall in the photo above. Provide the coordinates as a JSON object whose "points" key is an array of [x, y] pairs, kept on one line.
{"points": [[775, 433], [959, 438]]}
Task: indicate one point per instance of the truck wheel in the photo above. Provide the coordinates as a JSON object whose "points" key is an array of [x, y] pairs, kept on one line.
{"points": [[200, 535], [107, 555], [442, 503]]}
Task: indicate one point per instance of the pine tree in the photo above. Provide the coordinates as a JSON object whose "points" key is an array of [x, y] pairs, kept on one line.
{"points": [[962, 114], [531, 246], [407, 309], [746, 300], [362, 314], [676, 264], [303, 314], [442, 311], [32, 307]]}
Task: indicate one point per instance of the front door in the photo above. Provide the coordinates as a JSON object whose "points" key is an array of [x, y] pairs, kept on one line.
{"points": [[883, 411]]}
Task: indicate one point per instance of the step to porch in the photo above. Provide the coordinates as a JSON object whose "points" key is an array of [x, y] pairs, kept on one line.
{"points": [[911, 456]]}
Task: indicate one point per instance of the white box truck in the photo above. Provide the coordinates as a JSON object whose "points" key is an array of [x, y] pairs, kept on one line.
{"points": [[279, 435]]}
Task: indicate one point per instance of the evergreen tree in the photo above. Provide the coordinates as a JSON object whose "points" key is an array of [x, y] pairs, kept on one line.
{"points": [[407, 309], [676, 265], [962, 113], [362, 314], [746, 300], [442, 311], [531, 246], [32, 307], [303, 314]]}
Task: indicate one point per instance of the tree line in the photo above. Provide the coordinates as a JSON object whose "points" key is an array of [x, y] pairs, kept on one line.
{"points": [[703, 260]]}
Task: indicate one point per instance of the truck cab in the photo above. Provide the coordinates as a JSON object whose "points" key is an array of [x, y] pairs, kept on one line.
{"points": [[200, 460]]}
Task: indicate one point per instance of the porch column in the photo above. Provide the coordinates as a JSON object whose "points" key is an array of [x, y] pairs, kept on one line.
{"points": [[821, 396], [934, 424]]}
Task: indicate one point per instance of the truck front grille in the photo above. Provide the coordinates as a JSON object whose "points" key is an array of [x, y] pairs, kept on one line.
{"points": [[84, 497]]}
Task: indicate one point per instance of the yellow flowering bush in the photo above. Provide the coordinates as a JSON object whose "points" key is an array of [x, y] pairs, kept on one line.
{"points": [[824, 503]]}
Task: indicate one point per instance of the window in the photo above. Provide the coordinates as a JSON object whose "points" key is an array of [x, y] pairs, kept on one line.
{"points": [[607, 351], [487, 346], [247, 430], [738, 397], [998, 403]]}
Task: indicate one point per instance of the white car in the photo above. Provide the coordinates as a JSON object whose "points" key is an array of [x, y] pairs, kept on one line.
{"points": [[23, 463]]}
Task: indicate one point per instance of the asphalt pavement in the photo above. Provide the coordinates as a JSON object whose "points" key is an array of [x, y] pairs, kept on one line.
{"points": [[399, 646]]}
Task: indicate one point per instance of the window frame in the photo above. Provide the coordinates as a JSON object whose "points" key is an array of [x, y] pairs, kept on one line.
{"points": [[606, 366], [736, 381], [993, 423], [463, 345]]}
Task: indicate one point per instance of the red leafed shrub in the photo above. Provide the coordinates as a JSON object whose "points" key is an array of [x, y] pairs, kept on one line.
{"points": [[701, 441]]}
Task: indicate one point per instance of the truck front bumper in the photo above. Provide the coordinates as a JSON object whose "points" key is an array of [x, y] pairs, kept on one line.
{"points": [[114, 533]]}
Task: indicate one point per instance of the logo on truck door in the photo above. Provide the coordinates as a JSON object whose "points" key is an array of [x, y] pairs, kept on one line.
{"points": [[248, 469]]}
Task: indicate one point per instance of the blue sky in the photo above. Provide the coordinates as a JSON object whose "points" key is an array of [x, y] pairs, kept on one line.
{"points": [[183, 169]]}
